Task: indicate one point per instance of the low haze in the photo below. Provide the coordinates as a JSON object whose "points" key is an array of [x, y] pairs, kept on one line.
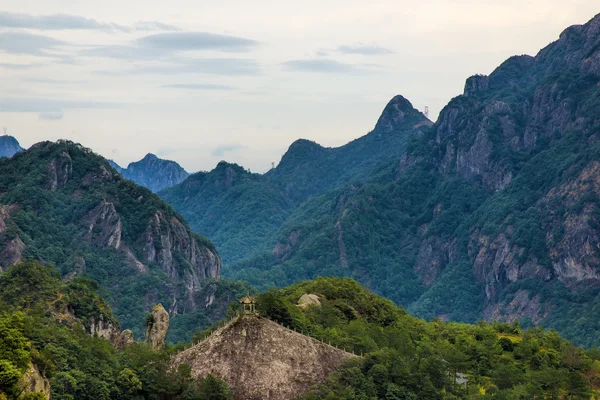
{"points": [[197, 82]]}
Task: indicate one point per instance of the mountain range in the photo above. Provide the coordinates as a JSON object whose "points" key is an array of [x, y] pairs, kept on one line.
{"points": [[491, 212]]}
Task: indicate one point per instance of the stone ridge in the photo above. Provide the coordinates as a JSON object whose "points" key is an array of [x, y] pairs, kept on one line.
{"points": [[261, 359]]}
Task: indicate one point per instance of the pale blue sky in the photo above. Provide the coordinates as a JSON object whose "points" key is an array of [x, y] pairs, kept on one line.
{"points": [[199, 81]]}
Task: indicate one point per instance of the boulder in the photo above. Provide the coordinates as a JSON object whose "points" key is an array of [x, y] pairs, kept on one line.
{"points": [[308, 300]]}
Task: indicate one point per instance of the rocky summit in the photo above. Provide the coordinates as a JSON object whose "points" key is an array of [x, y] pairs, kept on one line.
{"points": [[153, 172], [261, 359]]}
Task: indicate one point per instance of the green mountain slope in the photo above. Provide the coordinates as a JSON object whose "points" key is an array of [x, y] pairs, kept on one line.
{"points": [[238, 210], [492, 213], [242, 212], [64, 205]]}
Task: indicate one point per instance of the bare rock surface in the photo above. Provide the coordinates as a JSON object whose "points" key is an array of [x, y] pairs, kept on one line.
{"points": [[308, 300], [261, 359], [124, 339], [157, 328], [34, 382]]}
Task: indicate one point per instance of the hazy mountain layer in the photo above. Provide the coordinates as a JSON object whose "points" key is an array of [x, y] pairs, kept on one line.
{"points": [[153, 172], [9, 146]]}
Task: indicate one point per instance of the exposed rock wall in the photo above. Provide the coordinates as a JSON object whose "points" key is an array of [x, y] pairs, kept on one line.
{"points": [[260, 359], [34, 382], [104, 329]]}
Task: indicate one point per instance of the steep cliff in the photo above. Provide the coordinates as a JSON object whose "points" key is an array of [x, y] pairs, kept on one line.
{"points": [[153, 172], [261, 359], [63, 204]]}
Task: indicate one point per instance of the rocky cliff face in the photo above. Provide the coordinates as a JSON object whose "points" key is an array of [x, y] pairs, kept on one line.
{"points": [[260, 359], [153, 172], [9, 146]]}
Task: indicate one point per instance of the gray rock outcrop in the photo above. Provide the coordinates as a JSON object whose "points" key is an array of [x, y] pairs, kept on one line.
{"points": [[157, 327], [260, 359]]}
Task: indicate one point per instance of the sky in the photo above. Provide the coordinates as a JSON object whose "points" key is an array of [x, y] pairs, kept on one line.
{"points": [[200, 81]]}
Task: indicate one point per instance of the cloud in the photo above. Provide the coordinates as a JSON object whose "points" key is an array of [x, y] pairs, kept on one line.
{"points": [[364, 49], [154, 26], [319, 65], [50, 116], [75, 22], [120, 52], [20, 66], [54, 81], [28, 43], [55, 22], [43, 105], [210, 66], [198, 86], [186, 41], [162, 45], [220, 151]]}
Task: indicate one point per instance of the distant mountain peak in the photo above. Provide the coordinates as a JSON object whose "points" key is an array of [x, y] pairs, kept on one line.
{"points": [[153, 172], [149, 156], [401, 103], [399, 114], [9, 146]]}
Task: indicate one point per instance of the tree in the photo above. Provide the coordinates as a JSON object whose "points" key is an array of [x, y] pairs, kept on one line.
{"points": [[9, 378], [213, 388]]}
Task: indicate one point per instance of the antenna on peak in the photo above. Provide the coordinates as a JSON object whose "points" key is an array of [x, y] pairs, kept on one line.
{"points": [[272, 164], [5, 129], [426, 111]]}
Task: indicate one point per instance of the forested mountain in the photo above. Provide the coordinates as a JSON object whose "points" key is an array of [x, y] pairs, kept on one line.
{"points": [[242, 212], [62, 204], [9, 146], [238, 210], [492, 212], [153, 172]]}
